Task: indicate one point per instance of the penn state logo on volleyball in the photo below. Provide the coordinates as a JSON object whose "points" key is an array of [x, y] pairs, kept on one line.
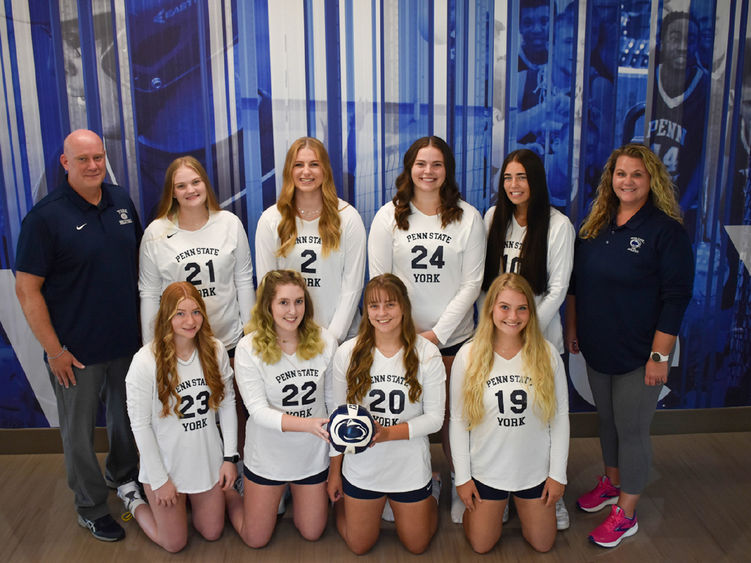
{"points": [[351, 428]]}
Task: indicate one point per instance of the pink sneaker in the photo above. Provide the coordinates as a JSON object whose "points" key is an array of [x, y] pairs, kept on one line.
{"points": [[615, 527], [599, 497]]}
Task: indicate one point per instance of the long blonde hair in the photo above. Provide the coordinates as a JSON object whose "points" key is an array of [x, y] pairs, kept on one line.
{"points": [[536, 361], [168, 205], [358, 371], [165, 353], [265, 343], [329, 225], [661, 190]]}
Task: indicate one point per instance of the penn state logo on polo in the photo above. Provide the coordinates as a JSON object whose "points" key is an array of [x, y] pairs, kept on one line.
{"points": [[124, 217], [634, 244], [351, 429]]}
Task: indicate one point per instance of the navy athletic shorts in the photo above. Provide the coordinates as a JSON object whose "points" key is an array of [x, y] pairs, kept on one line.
{"points": [[408, 496]]}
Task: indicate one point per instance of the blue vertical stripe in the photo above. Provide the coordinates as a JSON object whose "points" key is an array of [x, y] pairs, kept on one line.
{"points": [[379, 112], [21, 169], [88, 63], [451, 31], [265, 110], [333, 91], [431, 67], [50, 79], [310, 85], [207, 97], [349, 187]]}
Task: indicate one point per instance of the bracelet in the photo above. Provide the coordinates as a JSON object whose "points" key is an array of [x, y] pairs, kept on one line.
{"points": [[56, 356]]}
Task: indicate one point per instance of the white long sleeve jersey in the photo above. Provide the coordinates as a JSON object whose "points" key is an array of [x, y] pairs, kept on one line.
{"points": [[441, 267], [511, 449], [398, 465], [560, 261], [335, 281], [215, 258], [186, 449], [291, 386]]}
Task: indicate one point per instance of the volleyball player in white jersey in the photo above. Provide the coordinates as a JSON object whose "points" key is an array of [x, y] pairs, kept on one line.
{"points": [[175, 386], [399, 377], [527, 236], [434, 242], [193, 239], [312, 231], [283, 372], [509, 423]]}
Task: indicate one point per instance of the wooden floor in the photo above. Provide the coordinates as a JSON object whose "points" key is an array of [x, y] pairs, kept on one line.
{"points": [[697, 507]]}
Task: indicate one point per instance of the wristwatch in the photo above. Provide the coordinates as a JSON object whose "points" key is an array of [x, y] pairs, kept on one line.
{"points": [[232, 459], [657, 357]]}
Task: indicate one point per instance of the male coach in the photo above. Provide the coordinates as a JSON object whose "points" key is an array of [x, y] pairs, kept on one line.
{"points": [[76, 280]]}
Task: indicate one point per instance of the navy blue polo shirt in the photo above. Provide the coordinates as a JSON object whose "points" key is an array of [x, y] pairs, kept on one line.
{"points": [[88, 255], [630, 281]]}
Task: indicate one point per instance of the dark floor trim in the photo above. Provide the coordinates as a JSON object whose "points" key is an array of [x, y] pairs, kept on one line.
{"points": [[583, 425]]}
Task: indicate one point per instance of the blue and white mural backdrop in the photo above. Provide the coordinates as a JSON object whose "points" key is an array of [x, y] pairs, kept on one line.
{"points": [[234, 83]]}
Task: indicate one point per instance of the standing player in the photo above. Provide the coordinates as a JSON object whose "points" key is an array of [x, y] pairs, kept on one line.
{"points": [[283, 372], [312, 231], [509, 420], [435, 243], [398, 376], [529, 237], [193, 239], [176, 385]]}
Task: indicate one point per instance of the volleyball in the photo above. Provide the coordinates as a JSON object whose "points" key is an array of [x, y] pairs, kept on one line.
{"points": [[351, 429]]}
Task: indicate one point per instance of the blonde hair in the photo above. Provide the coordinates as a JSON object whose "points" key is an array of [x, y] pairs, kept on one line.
{"points": [[358, 371], [168, 205], [165, 353], [265, 342], [536, 361], [329, 224], [661, 190]]}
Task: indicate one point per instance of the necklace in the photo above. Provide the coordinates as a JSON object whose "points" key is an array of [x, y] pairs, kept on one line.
{"points": [[303, 213]]}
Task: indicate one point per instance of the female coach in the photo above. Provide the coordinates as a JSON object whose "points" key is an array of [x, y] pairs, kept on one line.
{"points": [[632, 282]]}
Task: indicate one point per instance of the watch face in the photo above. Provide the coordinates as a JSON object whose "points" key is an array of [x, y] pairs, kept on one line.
{"points": [[655, 357]]}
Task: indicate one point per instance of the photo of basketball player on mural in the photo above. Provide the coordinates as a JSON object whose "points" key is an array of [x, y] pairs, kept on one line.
{"points": [[677, 126]]}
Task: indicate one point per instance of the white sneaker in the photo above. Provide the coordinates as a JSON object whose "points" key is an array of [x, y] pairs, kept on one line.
{"points": [[130, 494], [388, 514], [457, 506], [505, 511], [283, 502], [436, 489], [562, 520]]}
